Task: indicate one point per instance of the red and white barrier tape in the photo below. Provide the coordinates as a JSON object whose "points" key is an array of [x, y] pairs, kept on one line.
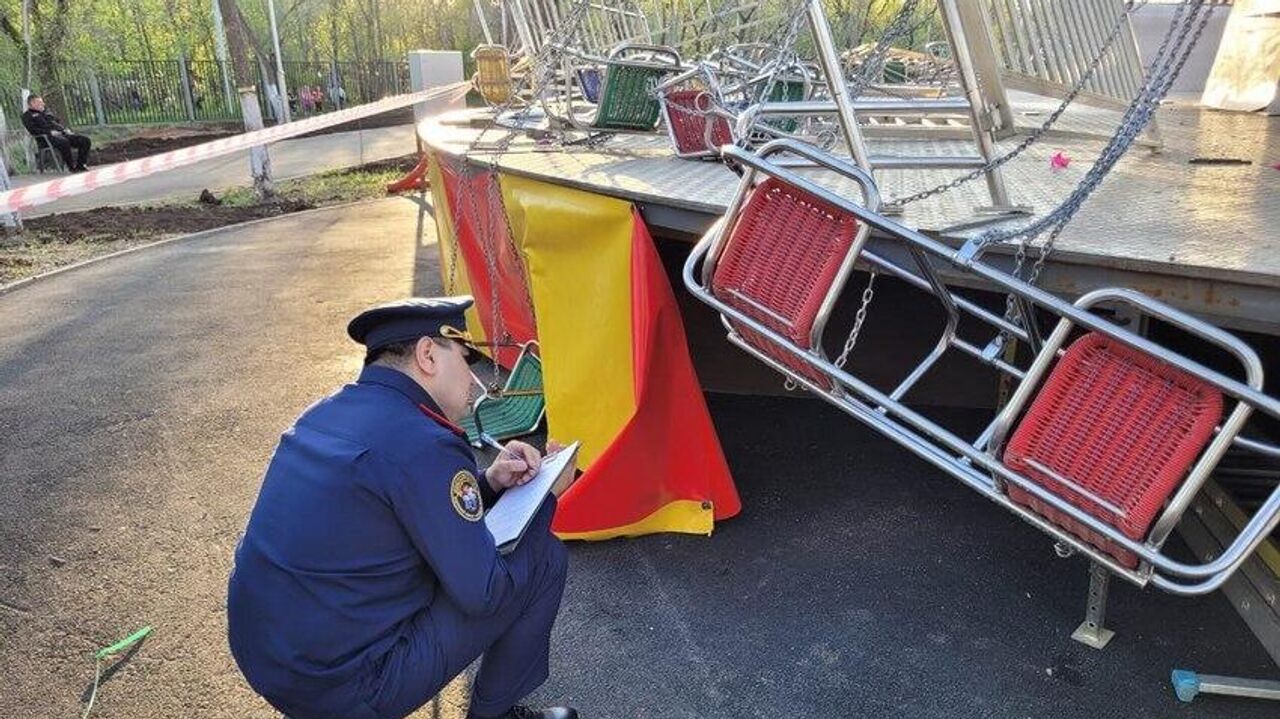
{"points": [[79, 184]]}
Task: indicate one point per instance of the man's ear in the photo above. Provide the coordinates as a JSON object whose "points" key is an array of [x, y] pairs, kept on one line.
{"points": [[424, 355]]}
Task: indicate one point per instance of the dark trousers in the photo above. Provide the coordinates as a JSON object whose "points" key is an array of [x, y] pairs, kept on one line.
{"points": [[65, 142], [515, 642]]}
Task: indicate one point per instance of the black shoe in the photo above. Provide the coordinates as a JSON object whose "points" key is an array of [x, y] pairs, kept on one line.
{"points": [[521, 711]]}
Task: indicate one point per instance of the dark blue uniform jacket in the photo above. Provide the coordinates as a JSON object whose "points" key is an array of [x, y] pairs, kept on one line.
{"points": [[354, 532]]}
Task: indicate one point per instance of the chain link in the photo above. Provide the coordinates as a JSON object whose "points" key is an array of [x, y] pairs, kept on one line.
{"points": [[852, 340], [451, 283], [487, 222], [1184, 33]]}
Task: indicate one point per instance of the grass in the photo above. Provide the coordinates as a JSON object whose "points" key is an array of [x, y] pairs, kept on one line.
{"points": [[54, 241], [329, 188]]}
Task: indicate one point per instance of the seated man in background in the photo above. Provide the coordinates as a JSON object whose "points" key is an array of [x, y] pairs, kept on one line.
{"points": [[42, 123]]}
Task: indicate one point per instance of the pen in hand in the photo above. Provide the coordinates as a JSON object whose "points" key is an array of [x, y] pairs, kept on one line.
{"points": [[506, 454], [488, 439]]}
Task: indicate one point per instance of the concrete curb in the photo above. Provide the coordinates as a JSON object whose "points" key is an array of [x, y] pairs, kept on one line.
{"points": [[19, 284]]}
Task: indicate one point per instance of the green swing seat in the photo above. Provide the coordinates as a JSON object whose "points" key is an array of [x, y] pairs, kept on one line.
{"points": [[627, 102], [787, 90], [626, 97], [514, 412]]}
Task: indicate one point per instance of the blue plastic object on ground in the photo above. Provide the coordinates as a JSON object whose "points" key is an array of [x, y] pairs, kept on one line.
{"points": [[1186, 684]]}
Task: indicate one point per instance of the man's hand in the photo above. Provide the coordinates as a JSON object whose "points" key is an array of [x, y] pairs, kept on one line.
{"points": [[518, 463]]}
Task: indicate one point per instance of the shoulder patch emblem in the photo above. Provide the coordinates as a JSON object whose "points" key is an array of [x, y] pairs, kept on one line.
{"points": [[465, 493]]}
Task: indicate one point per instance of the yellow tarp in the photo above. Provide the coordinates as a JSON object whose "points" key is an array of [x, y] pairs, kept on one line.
{"points": [[577, 245]]}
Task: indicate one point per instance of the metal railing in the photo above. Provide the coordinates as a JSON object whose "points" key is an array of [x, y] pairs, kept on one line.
{"points": [[1046, 47], [129, 92], [602, 25]]}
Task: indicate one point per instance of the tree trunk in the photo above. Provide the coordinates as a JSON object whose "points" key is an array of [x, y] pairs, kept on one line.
{"points": [[242, 69], [49, 35]]}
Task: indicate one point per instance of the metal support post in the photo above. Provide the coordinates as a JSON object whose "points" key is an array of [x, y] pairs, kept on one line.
{"points": [[986, 66], [962, 57], [184, 76], [830, 61], [484, 22], [523, 30], [281, 86], [95, 91], [335, 84], [1091, 631]]}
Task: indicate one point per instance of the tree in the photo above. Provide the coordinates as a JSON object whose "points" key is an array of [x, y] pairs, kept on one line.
{"points": [[49, 35], [238, 43]]}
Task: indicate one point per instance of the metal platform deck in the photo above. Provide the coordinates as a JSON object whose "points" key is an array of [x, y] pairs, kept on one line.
{"points": [[1197, 234]]}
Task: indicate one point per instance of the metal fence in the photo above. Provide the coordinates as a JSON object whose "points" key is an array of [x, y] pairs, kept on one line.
{"points": [[129, 92]]}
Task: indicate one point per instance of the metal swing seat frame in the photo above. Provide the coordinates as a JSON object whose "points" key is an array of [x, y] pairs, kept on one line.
{"points": [[691, 105], [793, 345], [516, 393], [494, 77], [625, 99], [701, 113]]}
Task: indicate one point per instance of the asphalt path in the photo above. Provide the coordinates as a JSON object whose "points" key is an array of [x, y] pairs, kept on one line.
{"points": [[141, 396]]}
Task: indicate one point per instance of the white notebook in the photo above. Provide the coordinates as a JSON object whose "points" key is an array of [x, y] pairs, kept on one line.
{"points": [[513, 511]]}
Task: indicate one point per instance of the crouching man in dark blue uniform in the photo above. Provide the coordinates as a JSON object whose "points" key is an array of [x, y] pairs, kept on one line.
{"points": [[365, 580]]}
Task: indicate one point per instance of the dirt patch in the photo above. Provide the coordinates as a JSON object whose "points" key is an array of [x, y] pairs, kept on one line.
{"points": [[52, 241], [112, 223], [146, 145]]}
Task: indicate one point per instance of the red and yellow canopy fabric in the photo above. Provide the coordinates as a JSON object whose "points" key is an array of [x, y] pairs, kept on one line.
{"points": [[616, 370], [485, 251]]}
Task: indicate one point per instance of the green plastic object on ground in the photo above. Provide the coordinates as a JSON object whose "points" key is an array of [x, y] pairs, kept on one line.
{"points": [[515, 411], [123, 644], [105, 653]]}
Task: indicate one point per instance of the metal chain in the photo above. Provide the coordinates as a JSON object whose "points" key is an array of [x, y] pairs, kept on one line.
{"points": [[873, 65], [537, 80], [484, 231], [1181, 38], [870, 68], [1168, 63], [1138, 116], [542, 71], [1035, 135], [451, 283], [784, 36], [868, 293], [861, 317]]}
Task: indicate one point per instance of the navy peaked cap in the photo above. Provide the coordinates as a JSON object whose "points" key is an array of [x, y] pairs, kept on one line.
{"points": [[411, 319]]}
